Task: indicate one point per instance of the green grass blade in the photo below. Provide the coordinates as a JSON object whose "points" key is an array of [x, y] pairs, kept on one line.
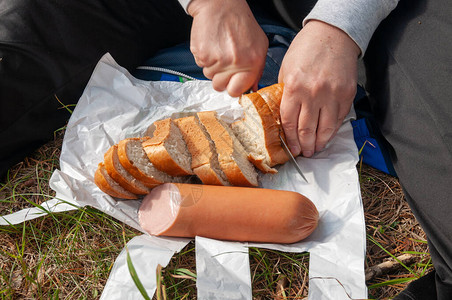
{"points": [[185, 272], [427, 265], [133, 272], [419, 241], [135, 278], [158, 277], [415, 252], [362, 148], [390, 254], [392, 282], [65, 106]]}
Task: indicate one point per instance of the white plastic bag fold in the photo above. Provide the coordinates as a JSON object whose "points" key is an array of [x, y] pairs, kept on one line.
{"points": [[146, 254], [223, 270]]}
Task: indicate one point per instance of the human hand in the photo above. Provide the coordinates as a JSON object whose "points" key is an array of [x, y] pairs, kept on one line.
{"points": [[228, 43], [319, 72]]}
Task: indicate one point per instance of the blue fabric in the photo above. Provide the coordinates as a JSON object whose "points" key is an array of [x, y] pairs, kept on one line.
{"points": [[374, 150], [177, 58], [370, 150], [180, 59]]}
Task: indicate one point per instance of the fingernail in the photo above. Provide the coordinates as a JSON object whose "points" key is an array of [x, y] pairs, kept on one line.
{"points": [[295, 150], [307, 153]]}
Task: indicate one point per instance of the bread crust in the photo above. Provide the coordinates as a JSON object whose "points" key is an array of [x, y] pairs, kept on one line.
{"points": [[163, 161], [201, 150], [157, 152], [208, 176], [259, 163], [127, 163], [197, 143], [235, 175], [225, 149], [271, 131], [110, 159], [104, 185], [273, 95], [162, 131]]}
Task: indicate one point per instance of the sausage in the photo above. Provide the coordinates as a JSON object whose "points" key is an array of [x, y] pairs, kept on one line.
{"points": [[227, 213]]}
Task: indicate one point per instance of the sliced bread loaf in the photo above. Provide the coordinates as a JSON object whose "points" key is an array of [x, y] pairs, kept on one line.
{"points": [[204, 156], [121, 175], [232, 156], [167, 149], [110, 186], [272, 95], [259, 133], [134, 159]]}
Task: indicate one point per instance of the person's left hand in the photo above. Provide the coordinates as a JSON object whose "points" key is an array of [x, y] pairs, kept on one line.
{"points": [[319, 72]]}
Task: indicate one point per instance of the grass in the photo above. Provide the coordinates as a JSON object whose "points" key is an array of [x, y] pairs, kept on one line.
{"points": [[392, 230], [69, 255]]}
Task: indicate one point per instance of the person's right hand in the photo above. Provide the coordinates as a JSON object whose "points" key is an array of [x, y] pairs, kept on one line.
{"points": [[228, 43]]}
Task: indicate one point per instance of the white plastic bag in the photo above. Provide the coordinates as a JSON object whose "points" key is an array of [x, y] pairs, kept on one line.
{"points": [[115, 105]]}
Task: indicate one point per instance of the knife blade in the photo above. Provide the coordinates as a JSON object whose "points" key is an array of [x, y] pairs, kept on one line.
{"points": [[291, 158]]}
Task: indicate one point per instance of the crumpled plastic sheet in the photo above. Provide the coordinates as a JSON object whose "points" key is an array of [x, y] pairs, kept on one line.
{"points": [[115, 105]]}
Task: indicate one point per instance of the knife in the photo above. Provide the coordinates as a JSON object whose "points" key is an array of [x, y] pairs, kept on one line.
{"points": [[292, 159]]}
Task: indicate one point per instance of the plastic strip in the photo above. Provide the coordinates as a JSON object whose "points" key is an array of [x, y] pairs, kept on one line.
{"points": [[146, 253], [223, 270]]}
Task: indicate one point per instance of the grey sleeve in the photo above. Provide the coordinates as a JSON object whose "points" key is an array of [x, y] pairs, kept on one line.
{"points": [[358, 18]]}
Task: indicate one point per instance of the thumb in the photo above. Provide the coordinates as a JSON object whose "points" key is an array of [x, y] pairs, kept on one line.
{"points": [[240, 83]]}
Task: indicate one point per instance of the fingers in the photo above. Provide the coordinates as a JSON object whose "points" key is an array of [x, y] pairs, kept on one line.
{"points": [[221, 80], [236, 80], [290, 111], [236, 83], [327, 125], [233, 79], [343, 112], [240, 83], [307, 129], [299, 118], [200, 59]]}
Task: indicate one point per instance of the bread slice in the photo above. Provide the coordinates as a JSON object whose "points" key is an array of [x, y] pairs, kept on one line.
{"points": [[134, 159], [167, 149], [109, 186], [272, 95], [121, 175], [232, 156], [259, 133], [204, 156]]}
